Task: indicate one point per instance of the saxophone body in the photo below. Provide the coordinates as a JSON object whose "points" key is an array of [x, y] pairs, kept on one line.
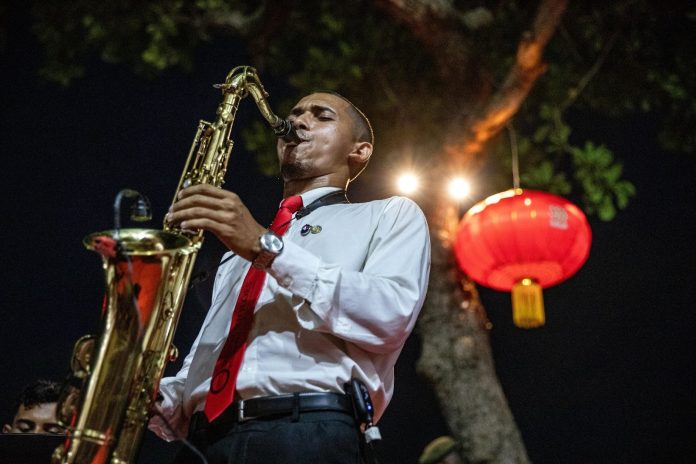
{"points": [[116, 374]]}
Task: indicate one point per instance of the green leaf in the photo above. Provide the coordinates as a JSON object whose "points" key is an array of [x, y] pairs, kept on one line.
{"points": [[612, 173], [623, 190], [541, 133], [606, 210]]}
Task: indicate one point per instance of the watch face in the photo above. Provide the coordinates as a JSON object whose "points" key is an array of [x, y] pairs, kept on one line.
{"points": [[271, 242]]}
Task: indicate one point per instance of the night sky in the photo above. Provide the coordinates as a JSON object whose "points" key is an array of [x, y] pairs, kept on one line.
{"points": [[608, 379]]}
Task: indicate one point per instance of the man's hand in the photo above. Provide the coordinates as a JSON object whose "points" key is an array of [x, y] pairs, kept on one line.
{"points": [[220, 212]]}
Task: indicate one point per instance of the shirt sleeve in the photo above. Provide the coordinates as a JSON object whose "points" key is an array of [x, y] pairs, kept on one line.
{"points": [[173, 389], [376, 307], [171, 407]]}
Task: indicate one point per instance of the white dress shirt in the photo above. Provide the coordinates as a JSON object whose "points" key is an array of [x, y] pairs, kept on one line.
{"points": [[336, 304]]}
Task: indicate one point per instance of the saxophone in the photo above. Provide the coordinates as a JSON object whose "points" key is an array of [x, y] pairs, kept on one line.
{"points": [[147, 274]]}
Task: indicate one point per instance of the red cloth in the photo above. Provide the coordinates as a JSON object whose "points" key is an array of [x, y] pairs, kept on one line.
{"points": [[224, 380]]}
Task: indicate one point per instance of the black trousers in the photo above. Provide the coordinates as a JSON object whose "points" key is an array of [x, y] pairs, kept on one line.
{"points": [[313, 438]]}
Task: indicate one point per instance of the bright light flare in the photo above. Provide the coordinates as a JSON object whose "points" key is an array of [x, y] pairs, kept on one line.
{"points": [[408, 183], [459, 188]]}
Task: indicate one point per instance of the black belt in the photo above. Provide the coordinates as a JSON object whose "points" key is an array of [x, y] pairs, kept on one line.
{"points": [[278, 405], [288, 404]]}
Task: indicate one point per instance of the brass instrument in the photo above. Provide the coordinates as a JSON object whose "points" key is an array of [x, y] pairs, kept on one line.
{"points": [[147, 274]]}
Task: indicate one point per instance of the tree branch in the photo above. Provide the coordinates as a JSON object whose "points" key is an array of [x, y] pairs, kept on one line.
{"points": [[439, 26], [577, 90], [503, 105]]}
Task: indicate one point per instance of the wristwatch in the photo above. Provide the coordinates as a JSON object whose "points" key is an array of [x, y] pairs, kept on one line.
{"points": [[271, 246]]}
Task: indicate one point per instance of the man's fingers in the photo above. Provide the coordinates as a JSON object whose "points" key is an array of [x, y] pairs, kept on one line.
{"points": [[197, 212], [201, 201], [201, 223], [204, 207], [208, 197], [203, 189]]}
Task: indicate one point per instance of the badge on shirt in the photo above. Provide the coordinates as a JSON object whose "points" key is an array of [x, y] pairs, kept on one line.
{"points": [[308, 228]]}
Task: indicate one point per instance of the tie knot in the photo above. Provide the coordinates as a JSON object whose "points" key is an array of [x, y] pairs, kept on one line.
{"points": [[292, 203], [287, 208]]}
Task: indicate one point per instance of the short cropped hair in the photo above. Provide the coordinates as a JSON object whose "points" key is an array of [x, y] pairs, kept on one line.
{"points": [[39, 392], [361, 125]]}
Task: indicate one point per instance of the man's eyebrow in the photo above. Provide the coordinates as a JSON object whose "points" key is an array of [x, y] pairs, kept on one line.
{"points": [[313, 108], [49, 425]]}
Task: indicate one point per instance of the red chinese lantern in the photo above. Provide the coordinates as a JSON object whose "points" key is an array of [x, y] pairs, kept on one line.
{"points": [[523, 241]]}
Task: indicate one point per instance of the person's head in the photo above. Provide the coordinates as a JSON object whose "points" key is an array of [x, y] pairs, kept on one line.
{"points": [[337, 141], [442, 450], [35, 411]]}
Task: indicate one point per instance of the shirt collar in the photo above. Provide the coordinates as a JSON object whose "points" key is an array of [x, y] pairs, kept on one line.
{"points": [[316, 193]]}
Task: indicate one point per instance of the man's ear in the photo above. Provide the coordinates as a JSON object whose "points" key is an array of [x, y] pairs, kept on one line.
{"points": [[358, 158], [6, 428], [361, 152]]}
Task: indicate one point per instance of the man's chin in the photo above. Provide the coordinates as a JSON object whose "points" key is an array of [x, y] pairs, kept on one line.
{"points": [[293, 172]]}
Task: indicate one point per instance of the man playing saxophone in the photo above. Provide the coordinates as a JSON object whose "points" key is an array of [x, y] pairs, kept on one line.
{"points": [[328, 294]]}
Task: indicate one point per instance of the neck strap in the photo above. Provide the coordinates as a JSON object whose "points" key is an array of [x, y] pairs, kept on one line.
{"points": [[332, 198]]}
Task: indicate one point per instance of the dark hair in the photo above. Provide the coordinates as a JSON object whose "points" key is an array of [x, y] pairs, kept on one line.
{"points": [[361, 125], [39, 392]]}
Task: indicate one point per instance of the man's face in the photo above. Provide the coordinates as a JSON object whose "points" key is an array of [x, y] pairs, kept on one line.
{"points": [[40, 418], [322, 120]]}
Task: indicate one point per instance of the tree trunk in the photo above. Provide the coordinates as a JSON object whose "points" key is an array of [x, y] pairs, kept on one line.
{"points": [[456, 356]]}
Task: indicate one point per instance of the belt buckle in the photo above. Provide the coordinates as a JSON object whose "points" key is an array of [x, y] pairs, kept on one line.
{"points": [[240, 412]]}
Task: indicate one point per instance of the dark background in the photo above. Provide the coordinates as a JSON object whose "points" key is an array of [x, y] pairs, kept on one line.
{"points": [[608, 379]]}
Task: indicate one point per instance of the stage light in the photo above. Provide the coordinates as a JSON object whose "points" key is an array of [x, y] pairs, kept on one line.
{"points": [[458, 188], [407, 183]]}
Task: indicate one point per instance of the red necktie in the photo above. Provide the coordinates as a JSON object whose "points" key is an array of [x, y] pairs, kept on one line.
{"points": [[224, 380]]}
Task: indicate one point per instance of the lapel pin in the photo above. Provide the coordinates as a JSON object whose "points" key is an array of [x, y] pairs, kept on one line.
{"points": [[307, 229]]}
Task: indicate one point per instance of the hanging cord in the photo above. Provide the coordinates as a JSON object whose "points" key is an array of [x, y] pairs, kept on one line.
{"points": [[183, 440], [515, 157]]}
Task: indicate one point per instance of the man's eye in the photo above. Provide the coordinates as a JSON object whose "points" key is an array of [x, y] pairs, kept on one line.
{"points": [[56, 429], [24, 428]]}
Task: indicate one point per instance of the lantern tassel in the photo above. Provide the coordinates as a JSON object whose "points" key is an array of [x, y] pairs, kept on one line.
{"points": [[527, 304]]}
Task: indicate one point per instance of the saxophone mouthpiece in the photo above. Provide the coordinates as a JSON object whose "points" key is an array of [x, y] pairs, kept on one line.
{"points": [[286, 131]]}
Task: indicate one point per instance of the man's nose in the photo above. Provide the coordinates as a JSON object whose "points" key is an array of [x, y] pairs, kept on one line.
{"points": [[301, 122]]}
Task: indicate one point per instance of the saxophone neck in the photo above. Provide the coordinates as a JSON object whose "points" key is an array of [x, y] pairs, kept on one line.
{"points": [[244, 80]]}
